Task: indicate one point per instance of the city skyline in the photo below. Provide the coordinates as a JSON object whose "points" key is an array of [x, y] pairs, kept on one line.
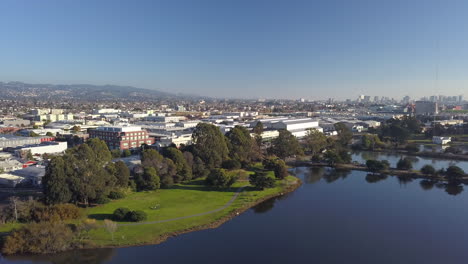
{"points": [[301, 49]]}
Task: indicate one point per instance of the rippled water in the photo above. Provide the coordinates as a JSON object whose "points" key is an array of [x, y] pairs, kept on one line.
{"points": [[335, 217]]}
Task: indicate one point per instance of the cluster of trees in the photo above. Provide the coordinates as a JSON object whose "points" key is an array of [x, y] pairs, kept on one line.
{"points": [[32, 211], [163, 170], [84, 174], [220, 178], [400, 130]]}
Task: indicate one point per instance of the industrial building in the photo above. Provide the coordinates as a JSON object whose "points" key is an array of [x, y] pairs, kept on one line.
{"points": [[8, 141], [44, 148]]}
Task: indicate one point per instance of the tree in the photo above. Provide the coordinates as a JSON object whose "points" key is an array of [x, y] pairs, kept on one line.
{"points": [[231, 164], [210, 145], [116, 153], [376, 166], [258, 129], [122, 174], [182, 167], [428, 170], [219, 178], [87, 175], [315, 141], [100, 150], [110, 226], [14, 205], [398, 133], [151, 158], [261, 180], [454, 173], [126, 153], [55, 182], [280, 169], [149, 180], [344, 134], [49, 134], [76, 129], [240, 144], [285, 145], [199, 169], [404, 164]]}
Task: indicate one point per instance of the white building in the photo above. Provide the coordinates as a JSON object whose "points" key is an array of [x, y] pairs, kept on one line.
{"points": [[45, 148], [178, 140], [268, 135], [298, 127], [441, 140]]}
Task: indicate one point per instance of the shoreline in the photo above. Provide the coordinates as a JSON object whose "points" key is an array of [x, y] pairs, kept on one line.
{"points": [[215, 224]]}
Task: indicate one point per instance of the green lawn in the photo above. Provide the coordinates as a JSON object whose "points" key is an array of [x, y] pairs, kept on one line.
{"points": [[182, 200]]}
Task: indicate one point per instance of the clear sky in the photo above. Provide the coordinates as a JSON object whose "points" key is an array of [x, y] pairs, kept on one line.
{"points": [[241, 48]]}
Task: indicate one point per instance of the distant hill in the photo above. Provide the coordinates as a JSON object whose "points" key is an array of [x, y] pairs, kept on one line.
{"points": [[19, 90]]}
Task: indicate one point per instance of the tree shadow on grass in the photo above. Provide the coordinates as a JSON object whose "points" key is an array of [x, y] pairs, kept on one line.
{"points": [[100, 216]]}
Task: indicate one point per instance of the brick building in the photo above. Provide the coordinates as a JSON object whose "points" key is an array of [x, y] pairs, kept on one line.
{"points": [[122, 137]]}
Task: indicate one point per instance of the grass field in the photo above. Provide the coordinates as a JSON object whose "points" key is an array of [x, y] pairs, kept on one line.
{"points": [[181, 200]]}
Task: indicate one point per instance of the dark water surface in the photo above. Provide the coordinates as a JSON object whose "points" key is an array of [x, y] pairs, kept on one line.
{"points": [[335, 217]]}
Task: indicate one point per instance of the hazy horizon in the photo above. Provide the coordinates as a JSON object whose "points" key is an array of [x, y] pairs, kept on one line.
{"points": [[241, 49]]}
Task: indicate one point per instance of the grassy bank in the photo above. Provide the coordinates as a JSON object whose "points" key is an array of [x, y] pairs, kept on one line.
{"points": [[201, 207], [181, 201]]}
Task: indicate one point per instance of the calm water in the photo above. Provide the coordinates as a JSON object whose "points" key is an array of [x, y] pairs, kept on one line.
{"points": [[418, 162], [335, 217]]}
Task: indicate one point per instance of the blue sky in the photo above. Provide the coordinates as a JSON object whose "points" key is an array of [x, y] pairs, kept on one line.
{"points": [[241, 48]]}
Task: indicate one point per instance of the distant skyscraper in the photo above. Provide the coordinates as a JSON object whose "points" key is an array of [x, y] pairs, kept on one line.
{"points": [[376, 99], [426, 108], [460, 98], [406, 100]]}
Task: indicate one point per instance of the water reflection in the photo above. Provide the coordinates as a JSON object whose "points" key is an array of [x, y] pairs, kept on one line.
{"points": [[403, 180], [314, 175], [373, 178], [418, 162], [426, 184], [264, 207], [453, 189], [269, 204], [94, 256], [332, 175]]}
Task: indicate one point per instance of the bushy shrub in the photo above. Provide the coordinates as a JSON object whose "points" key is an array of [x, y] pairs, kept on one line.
{"points": [[120, 214], [39, 238], [115, 195], [102, 200], [59, 212], [262, 180], [136, 216]]}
